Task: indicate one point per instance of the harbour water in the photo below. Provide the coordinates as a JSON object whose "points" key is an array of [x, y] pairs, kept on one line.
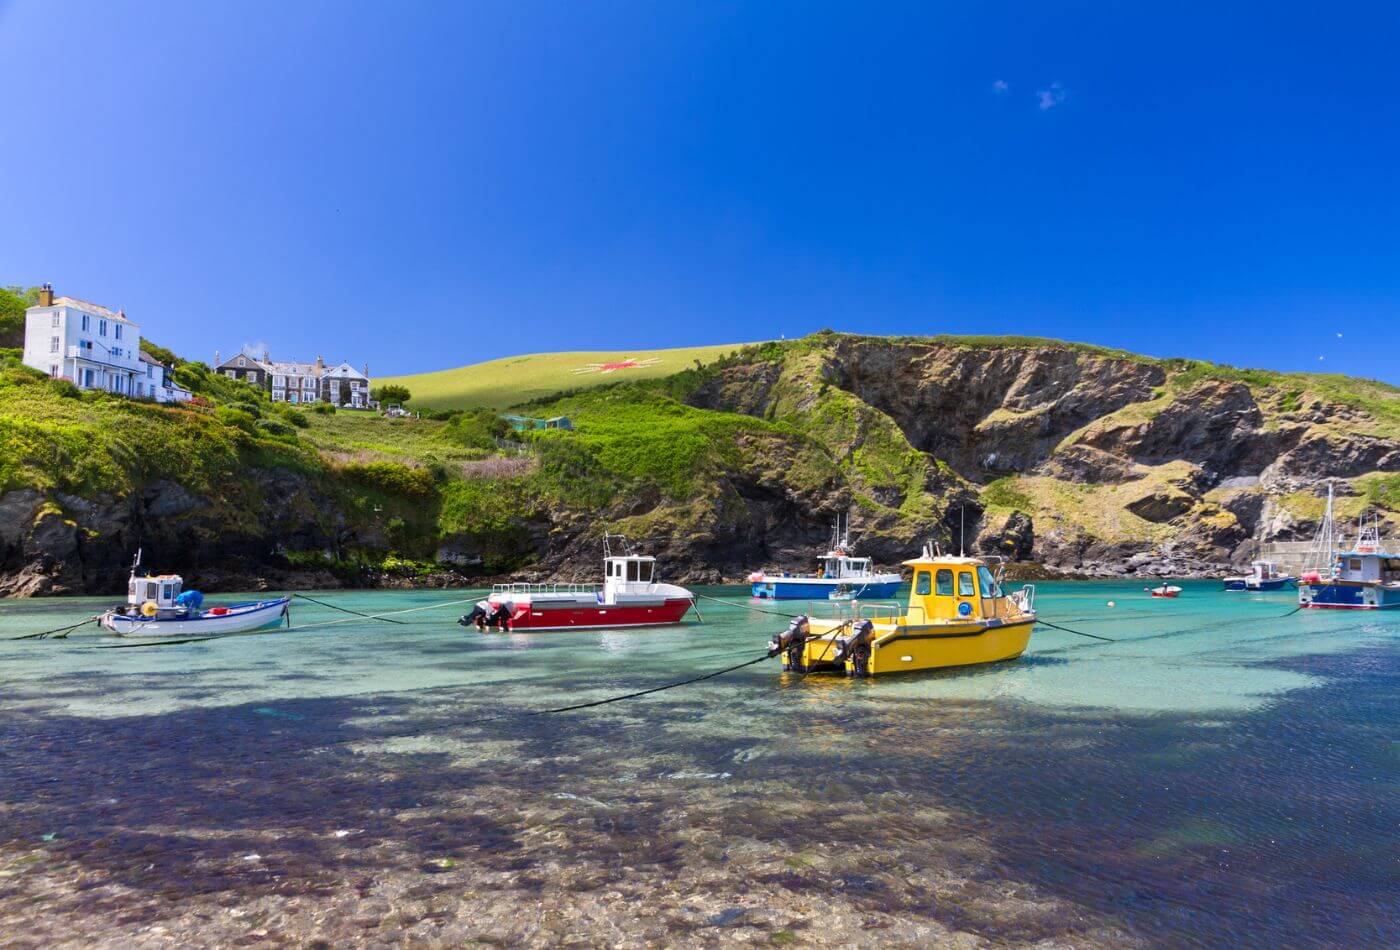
{"points": [[1224, 773]]}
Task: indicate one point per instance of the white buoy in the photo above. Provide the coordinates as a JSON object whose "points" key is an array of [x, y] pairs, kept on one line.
{"points": [[1112, 604]]}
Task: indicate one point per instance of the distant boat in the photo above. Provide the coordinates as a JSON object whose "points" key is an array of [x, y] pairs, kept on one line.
{"points": [[1263, 575], [1165, 590], [157, 606], [839, 569]]}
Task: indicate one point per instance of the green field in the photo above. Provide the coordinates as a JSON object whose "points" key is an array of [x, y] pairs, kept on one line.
{"points": [[506, 382]]}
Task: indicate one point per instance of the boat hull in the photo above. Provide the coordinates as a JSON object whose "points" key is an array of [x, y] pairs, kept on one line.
{"points": [[1237, 584], [240, 618], [801, 588], [587, 616], [1348, 596], [909, 649]]}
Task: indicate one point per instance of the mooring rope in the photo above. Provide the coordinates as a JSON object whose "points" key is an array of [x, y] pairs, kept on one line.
{"points": [[58, 633], [1092, 636], [345, 610]]}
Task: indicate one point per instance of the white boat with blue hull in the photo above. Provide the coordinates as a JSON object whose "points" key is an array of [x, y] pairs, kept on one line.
{"points": [[156, 606], [1263, 575], [841, 576]]}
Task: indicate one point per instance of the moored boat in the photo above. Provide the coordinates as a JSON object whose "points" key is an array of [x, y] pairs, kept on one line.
{"points": [[630, 596], [1164, 590], [1263, 575], [840, 570], [1364, 577], [957, 615], [157, 606]]}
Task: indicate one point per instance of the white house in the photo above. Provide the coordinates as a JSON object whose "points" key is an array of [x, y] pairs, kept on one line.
{"points": [[94, 347], [158, 385]]}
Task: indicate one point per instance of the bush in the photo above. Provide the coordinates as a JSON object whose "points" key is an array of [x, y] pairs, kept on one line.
{"points": [[478, 428], [297, 419], [391, 478], [247, 407], [236, 418], [273, 427], [323, 409], [65, 388], [391, 394]]}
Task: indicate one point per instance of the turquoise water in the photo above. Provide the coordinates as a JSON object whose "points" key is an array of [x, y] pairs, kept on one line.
{"points": [[1222, 773]]}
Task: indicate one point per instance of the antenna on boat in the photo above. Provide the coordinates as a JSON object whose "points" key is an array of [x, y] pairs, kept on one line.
{"points": [[1324, 548], [136, 562], [606, 552], [962, 531]]}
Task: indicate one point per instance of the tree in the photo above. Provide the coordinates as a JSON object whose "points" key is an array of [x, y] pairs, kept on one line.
{"points": [[386, 395]]}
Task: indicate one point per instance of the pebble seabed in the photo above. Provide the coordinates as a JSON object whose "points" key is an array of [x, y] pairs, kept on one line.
{"points": [[241, 794]]}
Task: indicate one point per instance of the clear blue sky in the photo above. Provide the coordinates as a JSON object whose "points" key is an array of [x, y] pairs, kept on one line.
{"points": [[424, 185]]}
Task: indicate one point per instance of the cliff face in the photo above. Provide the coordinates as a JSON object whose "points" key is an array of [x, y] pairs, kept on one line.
{"points": [[1091, 461], [1068, 458]]}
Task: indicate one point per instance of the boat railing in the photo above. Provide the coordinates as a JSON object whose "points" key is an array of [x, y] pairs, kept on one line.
{"points": [[523, 588], [854, 610], [1024, 599]]}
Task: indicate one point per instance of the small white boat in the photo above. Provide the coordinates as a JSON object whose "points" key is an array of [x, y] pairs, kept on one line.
{"points": [[157, 607]]}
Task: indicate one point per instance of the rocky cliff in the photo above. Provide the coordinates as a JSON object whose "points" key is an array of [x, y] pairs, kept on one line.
{"points": [[1063, 458]]}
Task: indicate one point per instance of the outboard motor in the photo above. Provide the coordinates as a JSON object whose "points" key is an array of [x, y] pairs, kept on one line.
{"points": [[477, 618], [856, 648], [791, 641], [501, 618]]}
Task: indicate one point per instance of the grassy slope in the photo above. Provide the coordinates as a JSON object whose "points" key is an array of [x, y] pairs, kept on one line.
{"points": [[512, 380]]}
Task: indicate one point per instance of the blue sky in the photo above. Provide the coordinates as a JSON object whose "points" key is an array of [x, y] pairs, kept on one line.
{"points": [[425, 185]]}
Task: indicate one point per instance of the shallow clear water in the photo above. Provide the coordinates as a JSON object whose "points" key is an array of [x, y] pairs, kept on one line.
{"points": [[1222, 773]]}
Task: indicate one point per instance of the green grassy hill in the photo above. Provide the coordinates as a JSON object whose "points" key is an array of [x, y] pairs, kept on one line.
{"points": [[506, 382]]}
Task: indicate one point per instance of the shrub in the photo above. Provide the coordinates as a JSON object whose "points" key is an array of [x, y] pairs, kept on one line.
{"points": [[65, 388], [247, 407], [323, 409], [478, 428], [273, 427], [391, 394], [236, 418], [297, 419], [391, 478]]}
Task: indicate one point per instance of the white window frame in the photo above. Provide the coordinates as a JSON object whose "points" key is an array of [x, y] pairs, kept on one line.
{"points": [[101, 327], [86, 325], [57, 319], [117, 331], [56, 344]]}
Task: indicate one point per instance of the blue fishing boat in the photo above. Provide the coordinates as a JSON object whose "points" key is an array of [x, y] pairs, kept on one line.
{"points": [[1263, 575], [1361, 576], [841, 575], [157, 606]]}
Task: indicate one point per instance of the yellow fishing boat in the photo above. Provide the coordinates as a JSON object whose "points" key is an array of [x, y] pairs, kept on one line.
{"points": [[958, 615]]}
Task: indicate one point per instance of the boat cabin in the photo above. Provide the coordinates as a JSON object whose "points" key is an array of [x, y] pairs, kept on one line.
{"points": [[627, 574], [1265, 571], [837, 565], [1371, 566], [948, 588], [163, 590]]}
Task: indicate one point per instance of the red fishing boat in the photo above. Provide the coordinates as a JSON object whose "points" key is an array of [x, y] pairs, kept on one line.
{"points": [[630, 596]]}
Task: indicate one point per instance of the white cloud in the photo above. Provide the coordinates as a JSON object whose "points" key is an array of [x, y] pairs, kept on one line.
{"points": [[1051, 97], [1001, 86]]}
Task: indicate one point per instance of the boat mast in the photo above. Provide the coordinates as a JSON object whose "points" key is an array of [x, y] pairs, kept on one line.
{"points": [[1323, 554]]}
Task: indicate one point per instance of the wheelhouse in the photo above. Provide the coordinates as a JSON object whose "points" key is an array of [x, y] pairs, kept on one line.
{"points": [[161, 590]]}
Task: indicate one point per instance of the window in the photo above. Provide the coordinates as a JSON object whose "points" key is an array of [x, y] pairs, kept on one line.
{"points": [[631, 570], [53, 344], [990, 587], [230, 374], [150, 371], [151, 592], [279, 381], [965, 588], [53, 370], [85, 322], [117, 331], [116, 351], [922, 583], [644, 573], [56, 320], [945, 583], [1354, 564], [101, 327]]}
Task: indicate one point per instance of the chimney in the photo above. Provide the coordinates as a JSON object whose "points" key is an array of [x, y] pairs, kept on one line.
{"points": [[217, 359], [366, 371], [46, 295], [320, 365]]}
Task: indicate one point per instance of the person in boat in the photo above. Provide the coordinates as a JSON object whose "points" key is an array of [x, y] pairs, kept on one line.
{"points": [[478, 615], [790, 642]]}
